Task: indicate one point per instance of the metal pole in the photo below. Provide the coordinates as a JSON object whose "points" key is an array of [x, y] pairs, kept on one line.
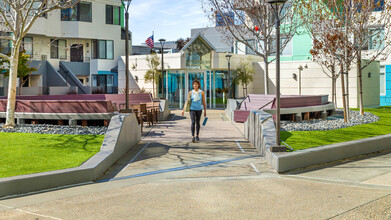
{"points": [[229, 79], [162, 73], [127, 59], [278, 78]]}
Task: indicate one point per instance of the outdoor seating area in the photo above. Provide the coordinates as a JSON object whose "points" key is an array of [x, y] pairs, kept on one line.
{"points": [[293, 107], [83, 107]]}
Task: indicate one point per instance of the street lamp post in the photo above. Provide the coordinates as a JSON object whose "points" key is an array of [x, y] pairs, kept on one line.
{"points": [[274, 4], [162, 41], [228, 56], [126, 6]]}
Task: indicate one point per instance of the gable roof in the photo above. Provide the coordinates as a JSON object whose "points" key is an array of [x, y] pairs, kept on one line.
{"points": [[199, 35]]}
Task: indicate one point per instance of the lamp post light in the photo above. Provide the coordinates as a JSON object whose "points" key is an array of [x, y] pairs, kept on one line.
{"points": [[162, 41], [126, 6], [274, 4], [228, 56]]}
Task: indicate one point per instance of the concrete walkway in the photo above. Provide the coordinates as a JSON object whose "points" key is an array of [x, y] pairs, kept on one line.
{"points": [[221, 177]]}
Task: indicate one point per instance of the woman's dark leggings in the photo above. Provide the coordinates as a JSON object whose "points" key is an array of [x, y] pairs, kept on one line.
{"points": [[195, 116]]}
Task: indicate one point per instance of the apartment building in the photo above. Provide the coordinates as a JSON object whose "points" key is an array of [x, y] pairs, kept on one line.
{"points": [[76, 49]]}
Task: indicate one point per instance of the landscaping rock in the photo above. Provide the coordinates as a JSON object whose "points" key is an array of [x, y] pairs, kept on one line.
{"points": [[56, 129], [335, 121]]}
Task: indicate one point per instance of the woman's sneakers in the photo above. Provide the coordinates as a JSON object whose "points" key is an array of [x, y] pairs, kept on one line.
{"points": [[195, 139]]}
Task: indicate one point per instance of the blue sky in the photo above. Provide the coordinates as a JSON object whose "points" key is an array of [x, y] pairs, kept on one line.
{"points": [[169, 19]]}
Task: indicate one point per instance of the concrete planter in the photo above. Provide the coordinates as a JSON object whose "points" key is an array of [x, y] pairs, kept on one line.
{"points": [[260, 131], [123, 133]]}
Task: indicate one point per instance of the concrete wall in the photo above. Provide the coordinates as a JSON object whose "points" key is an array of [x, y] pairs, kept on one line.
{"points": [[315, 82], [123, 133], [259, 129], [62, 90]]}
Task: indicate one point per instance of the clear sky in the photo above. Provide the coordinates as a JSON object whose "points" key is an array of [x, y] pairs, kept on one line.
{"points": [[169, 19]]}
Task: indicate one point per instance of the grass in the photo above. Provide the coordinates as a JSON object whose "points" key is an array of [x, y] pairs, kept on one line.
{"points": [[23, 153], [307, 139]]}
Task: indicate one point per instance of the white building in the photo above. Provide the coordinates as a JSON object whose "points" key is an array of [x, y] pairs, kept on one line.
{"points": [[76, 48]]}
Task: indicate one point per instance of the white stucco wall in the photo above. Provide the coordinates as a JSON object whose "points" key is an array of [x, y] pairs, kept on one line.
{"points": [[315, 82], [78, 32]]}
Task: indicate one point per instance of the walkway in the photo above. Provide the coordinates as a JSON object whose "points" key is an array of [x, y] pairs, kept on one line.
{"points": [[221, 177]]}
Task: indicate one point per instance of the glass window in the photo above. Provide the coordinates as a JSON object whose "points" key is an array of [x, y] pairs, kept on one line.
{"points": [[252, 43], [85, 11], [103, 49], [5, 45], [110, 49], [62, 50], [382, 80], [53, 49], [28, 45], [288, 48], [113, 15], [116, 15], [58, 49], [80, 12], [377, 39], [109, 14]]}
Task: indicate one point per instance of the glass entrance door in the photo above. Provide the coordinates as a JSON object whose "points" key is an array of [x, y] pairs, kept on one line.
{"points": [[176, 89], [220, 89]]}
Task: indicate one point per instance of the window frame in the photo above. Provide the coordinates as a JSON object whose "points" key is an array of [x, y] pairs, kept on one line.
{"points": [[55, 44], [77, 8], [112, 9], [32, 46], [96, 49]]}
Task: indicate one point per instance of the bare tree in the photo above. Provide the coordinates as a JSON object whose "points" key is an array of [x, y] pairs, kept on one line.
{"points": [[324, 57], [371, 28], [17, 17], [330, 25], [252, 23]]}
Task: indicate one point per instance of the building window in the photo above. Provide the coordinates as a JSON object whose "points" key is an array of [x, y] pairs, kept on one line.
{"points": [[253, 45], [58, 49], [80, 12], [287, 50], [28, 45], [103, 49], [382, 80], [5, 45], [113, 14]]}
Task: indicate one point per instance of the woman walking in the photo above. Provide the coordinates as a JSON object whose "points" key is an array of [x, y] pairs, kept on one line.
{"points": [[195, 96]]}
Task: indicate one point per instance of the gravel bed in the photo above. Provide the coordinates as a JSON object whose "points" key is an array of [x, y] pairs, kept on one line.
{"points": [[56, 129], [333, 122]]}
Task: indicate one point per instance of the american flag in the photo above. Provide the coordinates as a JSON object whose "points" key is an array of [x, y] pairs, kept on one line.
{"points": [[149, 42]]}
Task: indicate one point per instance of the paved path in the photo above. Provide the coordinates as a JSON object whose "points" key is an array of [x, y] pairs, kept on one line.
{"points": [[221, 177]]}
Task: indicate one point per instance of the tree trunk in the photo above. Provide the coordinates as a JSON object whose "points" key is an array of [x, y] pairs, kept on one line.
{"points": [[359, 74], [266, 75], [11, 99], [333, 89], [335, 92], [153, 87], [343, 94]]}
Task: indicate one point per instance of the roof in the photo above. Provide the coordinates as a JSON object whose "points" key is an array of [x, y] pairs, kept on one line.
{"points": [[199, 35]]}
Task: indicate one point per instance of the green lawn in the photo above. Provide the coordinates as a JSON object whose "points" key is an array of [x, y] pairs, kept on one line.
{"points": [[306, 139], [22, 153]]}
